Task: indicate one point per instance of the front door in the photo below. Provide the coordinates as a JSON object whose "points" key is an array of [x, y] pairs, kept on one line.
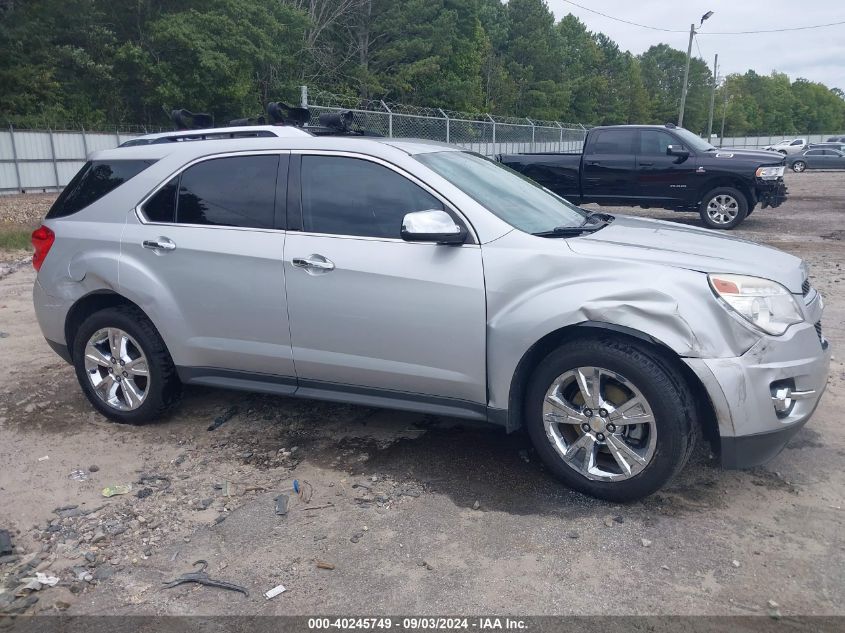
{"points": [[369, 312], [662, 179], [208, 252]]}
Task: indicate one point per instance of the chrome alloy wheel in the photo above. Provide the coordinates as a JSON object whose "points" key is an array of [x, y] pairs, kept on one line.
{"points": [[117, 369], [798, 166], [722, 209], [599, 424]]}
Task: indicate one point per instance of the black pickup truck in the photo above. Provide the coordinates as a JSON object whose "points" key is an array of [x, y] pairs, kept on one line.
{"points": [[660, 166]]}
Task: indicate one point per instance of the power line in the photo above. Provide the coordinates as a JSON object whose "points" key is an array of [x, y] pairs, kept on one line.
{"points": [[657, 28], [794, 28], [642, 26]]}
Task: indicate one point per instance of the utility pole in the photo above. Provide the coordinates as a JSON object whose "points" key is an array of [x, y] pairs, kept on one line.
{"points": [[686, 70], [713, 96], [686, 77], [724, 111]]}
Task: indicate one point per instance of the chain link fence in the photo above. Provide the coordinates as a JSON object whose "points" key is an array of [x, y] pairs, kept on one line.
{"points": [[483, 133], [46, 159]]}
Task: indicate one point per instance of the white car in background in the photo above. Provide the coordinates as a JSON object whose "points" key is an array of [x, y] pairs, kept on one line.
{"points": [[789, 146]]}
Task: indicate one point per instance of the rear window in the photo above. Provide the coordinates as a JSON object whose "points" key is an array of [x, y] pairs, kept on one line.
{"points": [[94, 180], [618, 141]]}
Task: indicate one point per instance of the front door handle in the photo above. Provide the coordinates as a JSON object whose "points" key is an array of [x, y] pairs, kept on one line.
{"points": [[642, 164], [160, 244], [313, 263]]}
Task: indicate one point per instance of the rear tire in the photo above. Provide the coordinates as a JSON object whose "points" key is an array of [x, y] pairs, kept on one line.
{"points": [[123, 366], [629, 375], [798, 166], [723, 208]]}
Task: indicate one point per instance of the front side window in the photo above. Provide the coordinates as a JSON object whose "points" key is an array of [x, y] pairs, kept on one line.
{"points": [[507, 194], [92, 182], [351, 196], [655, 142]]}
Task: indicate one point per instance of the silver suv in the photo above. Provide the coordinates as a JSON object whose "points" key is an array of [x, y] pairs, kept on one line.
{"points": [[414, 275]]}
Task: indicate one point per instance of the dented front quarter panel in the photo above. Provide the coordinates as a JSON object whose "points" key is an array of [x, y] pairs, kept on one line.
{"points": [[536, 286]]}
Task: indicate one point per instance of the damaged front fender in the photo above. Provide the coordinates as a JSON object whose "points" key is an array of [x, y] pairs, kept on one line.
{"points": [[556, 288]]}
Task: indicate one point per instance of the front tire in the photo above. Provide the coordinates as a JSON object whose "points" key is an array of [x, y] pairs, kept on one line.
{"points": [[798, 166], [610, 418], [723, 208], [123, 366]]}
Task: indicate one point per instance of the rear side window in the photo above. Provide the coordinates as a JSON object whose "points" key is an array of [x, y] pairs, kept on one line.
{"points": [[614, 142], [92, 182], [350, 196], [236, 191]]}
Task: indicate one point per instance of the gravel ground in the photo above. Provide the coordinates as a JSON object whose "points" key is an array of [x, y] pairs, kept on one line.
{"points": [[415, 513]]}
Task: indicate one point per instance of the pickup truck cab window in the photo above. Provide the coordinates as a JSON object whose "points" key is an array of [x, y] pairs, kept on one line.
{"points": [[614, 141], [517, 200], [655, 142], [351, 196]]}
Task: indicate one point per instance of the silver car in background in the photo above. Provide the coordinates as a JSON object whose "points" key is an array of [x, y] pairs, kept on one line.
{"points": [[417, 276]]}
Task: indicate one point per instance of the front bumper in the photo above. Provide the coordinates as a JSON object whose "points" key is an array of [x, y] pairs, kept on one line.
{"points": [[771, 193], [743, 391]]}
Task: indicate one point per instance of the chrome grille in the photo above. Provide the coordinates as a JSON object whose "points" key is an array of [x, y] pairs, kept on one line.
{"points": [[805, 287]]}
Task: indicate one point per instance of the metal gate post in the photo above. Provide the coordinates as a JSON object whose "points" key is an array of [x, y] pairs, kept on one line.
{"points": [[53, 154], [15, 157], [560, 142], [445, 116], [389, 119], [303, 96], [533, 143], [494, 132]]}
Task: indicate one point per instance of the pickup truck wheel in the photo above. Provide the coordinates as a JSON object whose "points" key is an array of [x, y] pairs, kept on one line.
{"points": [[123, 366], [798, 166], [610, 419], [723, 208]]}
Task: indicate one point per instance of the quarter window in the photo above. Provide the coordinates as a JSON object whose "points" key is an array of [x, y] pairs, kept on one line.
{"points": [[92, 182], [350, 196]]}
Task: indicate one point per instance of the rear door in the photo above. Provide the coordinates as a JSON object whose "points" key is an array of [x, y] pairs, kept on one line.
{"points": [[607, 174], [662, 178], [369, 312], [205, 252]]}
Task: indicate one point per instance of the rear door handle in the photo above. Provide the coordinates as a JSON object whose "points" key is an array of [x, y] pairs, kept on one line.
{"points": [[160, 244], [646, 164], [313, 263], [593, 162]]}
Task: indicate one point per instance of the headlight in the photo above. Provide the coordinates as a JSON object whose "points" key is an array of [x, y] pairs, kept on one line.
{"points": [[770, 173], [762, 302]]}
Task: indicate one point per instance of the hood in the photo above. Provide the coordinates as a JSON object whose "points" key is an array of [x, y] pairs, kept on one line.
{"points": [[691, 248], [746, 154]]}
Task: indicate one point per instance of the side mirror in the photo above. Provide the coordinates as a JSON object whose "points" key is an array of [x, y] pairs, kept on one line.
{"points": [[677, 150], [432, 226]]}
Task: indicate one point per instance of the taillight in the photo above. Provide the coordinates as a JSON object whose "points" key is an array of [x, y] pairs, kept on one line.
{"points": [[42, 240]]}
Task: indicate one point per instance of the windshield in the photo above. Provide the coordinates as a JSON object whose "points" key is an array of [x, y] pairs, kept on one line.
{"points": [[695, 142], [517, 200]]}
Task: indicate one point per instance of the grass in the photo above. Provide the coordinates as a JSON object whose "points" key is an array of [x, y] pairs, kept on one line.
{"points": [[15, 237]]}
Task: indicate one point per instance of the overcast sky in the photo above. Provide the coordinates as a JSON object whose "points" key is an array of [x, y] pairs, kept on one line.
{"points": [[817, 54]]}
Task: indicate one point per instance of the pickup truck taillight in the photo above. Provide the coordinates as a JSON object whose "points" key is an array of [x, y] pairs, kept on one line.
{"points": [[42, 240]]}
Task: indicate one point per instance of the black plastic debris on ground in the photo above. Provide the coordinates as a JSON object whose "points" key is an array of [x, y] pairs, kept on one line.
{"points": [[5, 543], [224, 417]]}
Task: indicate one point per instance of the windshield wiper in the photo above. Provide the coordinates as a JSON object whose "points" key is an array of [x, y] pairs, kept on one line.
{"points": [[572, 231], [592, 223]]}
